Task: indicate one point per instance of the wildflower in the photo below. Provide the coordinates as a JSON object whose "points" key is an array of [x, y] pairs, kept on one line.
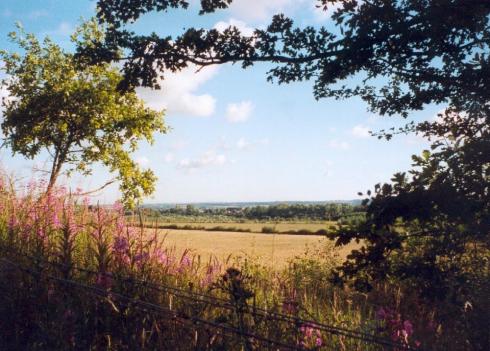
{"points": [[185, 263], [312, 336], [318, 342], [121, 244], [161, 257], [13, 222], [141, 258], [55, 221], [118, 207]]}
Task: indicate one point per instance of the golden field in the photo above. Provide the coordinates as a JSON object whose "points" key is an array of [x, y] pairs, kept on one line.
{"points": [[272, 250]]}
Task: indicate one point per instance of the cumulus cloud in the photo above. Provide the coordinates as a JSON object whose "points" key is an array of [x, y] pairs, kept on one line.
{"points": [[360, 131], [239, 112], [179, 93], [242, 26], [262, 9], [338, 144], [178, 145], [169, 157], [208, 159], [243, 144]]}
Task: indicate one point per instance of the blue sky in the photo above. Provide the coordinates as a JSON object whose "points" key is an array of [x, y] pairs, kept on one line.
{"points": [[234, 136]]}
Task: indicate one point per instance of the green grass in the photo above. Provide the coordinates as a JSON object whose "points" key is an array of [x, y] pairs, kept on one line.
{"points": [[283, 227]]}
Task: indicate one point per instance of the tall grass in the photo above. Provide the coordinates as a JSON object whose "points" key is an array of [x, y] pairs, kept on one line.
{"points": [[76, 276]]}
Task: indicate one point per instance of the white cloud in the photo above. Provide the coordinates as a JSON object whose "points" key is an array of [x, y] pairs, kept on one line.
{"points": [[142, 161], [178, 145], [262, 9], [208, 159], [169, 157], [64, 29], [243, 144], [373, 118], [239, 112], [360, 131], [242, 26], [178, 93], [337, 144]]}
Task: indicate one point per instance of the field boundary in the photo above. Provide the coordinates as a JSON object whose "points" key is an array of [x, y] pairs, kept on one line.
{"points": [[266, 229]]}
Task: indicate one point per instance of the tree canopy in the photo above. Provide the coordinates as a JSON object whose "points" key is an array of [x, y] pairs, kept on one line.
{"points": [[75, 112]]}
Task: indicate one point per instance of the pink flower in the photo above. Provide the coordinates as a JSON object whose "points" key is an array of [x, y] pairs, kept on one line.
{"points": [[141, 258], [161, 257], [408, 327], [13, 222], [118, 207], [56, 221], [121, 244], [185, 263], [312, 336], [318, 342]]}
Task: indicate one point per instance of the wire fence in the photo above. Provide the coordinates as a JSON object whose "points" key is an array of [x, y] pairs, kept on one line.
{"points": [[199, 298]]}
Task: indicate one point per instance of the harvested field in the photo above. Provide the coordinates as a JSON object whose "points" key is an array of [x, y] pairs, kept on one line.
{"points": [[271, 250]]}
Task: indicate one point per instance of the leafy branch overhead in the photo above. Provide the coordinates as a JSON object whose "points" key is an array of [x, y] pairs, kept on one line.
{"points": [[425, 51], [75, 112]]}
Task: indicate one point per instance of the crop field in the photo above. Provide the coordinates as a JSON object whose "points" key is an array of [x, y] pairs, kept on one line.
{"points": [[253, 227], [271, 250]]}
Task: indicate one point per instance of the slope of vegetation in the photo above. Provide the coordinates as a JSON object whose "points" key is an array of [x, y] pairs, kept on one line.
{"points": [[77, 277]]}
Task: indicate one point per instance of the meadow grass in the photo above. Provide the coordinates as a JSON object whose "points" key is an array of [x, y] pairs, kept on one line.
{"points": [[80, 277]]}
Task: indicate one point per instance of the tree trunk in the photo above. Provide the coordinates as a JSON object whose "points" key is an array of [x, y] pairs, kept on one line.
{"points": [[55, 171]]}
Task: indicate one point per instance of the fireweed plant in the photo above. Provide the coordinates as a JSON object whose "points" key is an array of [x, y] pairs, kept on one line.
{"points": [[76, 276]]}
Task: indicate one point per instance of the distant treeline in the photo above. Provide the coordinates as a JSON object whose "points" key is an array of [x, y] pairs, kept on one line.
{"points": [[321, 212]]}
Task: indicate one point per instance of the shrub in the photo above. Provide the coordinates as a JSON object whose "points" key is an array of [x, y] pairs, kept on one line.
{"points": [[268, 230]]}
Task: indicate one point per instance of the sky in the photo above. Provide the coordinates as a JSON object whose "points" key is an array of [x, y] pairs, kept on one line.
{"points": [[234, 136]]}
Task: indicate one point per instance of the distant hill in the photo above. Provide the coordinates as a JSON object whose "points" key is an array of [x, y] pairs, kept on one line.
{"points": [[247, 204]]}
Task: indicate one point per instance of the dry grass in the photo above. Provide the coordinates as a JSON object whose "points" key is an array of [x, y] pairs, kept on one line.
{"points": [[272, 250]]}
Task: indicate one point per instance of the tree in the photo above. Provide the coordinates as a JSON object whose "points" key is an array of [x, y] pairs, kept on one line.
{"points": [[75, 112], [406, 54]]}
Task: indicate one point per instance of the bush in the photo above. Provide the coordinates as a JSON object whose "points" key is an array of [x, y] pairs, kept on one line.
{"points": [[268, 230]]}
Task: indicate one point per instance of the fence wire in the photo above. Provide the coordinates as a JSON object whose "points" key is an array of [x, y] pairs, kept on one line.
{"points": [[209, 300]]}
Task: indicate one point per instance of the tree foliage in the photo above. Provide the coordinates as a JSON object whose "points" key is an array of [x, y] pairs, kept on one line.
{"points": [[404, 55], [75, 112]]}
